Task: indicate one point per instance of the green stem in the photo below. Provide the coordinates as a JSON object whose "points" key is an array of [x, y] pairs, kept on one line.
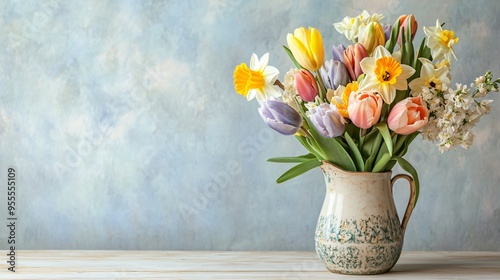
{"points": [[322, 88], [305, 132]]}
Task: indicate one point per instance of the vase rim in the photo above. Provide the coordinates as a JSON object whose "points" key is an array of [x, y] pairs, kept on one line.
{"points": [[325, 162]]}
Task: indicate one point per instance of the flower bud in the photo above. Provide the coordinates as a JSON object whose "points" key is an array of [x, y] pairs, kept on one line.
{"points": [[334, 73], [306, 46], [403, 25], [387, 32], [338, 52], [306, 86], [372, 36], [280, 116], [352, 58]]}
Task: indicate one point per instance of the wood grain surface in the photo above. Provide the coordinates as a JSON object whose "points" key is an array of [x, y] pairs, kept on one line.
{"points": [[236, 265]]}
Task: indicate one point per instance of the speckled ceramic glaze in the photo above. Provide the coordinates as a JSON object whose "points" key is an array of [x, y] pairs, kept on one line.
{"points": [[358, 230]]}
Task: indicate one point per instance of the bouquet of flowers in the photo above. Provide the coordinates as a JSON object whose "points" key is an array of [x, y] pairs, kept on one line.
{"points": [[361, 108]]}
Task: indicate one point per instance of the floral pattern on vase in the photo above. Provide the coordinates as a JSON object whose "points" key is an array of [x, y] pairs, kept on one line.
{"points": [[358, 229], [381, 236]]}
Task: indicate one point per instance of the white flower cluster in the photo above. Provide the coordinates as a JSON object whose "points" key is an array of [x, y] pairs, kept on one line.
{"points": [[454, 112], [290, 91]]}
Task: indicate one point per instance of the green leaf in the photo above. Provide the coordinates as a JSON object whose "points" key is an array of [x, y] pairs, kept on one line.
{"points": [[400, 95], [384, 130], [329, 149], [368, 141], [391, 43], [301, 158], [321, 86], [410, 52], [299, 169], [304, 141], [413, 172], [404, 55], [358, 159], [390, 164], [333, 150], [374, 150], [424, 52], [407, 143], [379, 166], [361, 139], [290, 54], [351, 129]]}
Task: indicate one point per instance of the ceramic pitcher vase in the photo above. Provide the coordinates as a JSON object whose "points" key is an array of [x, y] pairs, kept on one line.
{"points": [[358, 230]]}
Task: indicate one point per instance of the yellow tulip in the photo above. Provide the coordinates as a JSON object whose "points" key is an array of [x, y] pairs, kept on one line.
{"points": [[306, 46], [372, 36]]}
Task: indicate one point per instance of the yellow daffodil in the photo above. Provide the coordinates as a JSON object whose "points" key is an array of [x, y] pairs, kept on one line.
{"points": [[256, 81], [342, 99], [306, 46], [430, 77], [384, 74], [441, 42]]}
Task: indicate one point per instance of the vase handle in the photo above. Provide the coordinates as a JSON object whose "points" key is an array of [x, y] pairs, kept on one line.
{"points": [[411, 203]]}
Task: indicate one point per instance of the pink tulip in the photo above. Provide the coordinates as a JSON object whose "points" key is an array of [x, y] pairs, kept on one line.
{"points": [[408, 115], [306, 86], [403, 25], [352, 57], [364, 109]]}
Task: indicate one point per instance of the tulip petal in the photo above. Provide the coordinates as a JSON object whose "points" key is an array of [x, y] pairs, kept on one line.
{"points": [[280, 116], [316, 48], [282, 128], [408, 116]]}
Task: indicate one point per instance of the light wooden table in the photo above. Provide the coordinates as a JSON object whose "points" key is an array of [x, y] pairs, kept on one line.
{"points": [[235, 265]]}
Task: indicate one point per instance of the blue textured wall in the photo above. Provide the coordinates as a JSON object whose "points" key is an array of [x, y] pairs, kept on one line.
{"points": [[126, 132]]}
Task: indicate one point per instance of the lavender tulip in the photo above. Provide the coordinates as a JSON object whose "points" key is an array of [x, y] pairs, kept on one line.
{"points": [[338, 52], [387, 31], [280, 116], [334, 73], [327, 120]]}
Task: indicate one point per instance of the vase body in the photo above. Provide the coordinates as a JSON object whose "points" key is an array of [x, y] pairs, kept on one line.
{"points": [[358, 229]]}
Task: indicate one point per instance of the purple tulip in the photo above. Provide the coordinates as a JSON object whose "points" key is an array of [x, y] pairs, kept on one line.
{"points": [[387, 31], [334, 73], [280, 116], [338, 52], [327, 120]]}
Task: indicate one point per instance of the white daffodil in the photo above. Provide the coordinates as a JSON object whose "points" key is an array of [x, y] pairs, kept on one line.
{"points": [[430, 77], [384, 74], [351, 27], [441, 42], [256, 81]]}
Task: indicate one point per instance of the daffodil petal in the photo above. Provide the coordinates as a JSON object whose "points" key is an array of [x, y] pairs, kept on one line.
{"points": [[270, 74], [262, 63], [370, 83], [407, 72], [368, 64], [254, 61], [387, 93]]}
